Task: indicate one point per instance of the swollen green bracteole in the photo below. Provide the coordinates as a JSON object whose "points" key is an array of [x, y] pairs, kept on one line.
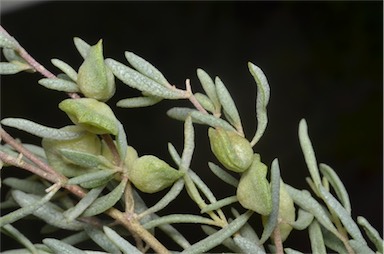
{"points": [[232, 150], [150, 174], [94, 78], [253, 191], [87, 143], [93, 115]]}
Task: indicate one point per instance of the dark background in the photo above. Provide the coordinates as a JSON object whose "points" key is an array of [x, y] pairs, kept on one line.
{"points": [[323, 61]]}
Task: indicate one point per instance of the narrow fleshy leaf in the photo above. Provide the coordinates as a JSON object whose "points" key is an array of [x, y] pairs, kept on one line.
{"points": [[247, 246], [39, 130], [262, 99], [333, 242], [83, 204], [198, 117], [309, 153], [48, 212], [76, 238], [303, 220], [175, 235], [219, 204], [12, 68], [82, 159], [205, 101], [178, 218], [189, 145], [372, 233], [13, 56], [6, 41], [25, 185], [217, 238], [24, 210], [275, 189], [59, 84], [125, 246], [349, 224], [308, 203], [229, 242], [66, 68], [138, 81], [292, 251], [139, 102], [223, 175], [199, 183], [18, 236], [247, 231], [146, 68], [121, 141], [316, 238], [209, 88], [61, 247], [105, 202], [337, 185], [360, 247], [101, 239], [167, 198], [81, 46], [228, 104]]}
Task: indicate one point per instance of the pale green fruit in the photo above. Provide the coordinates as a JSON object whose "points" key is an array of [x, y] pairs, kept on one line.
{"points": [[232, 150], [93, 115], [286, 213], [253, 191], [87, 143], [150, 174], [94, 78]]}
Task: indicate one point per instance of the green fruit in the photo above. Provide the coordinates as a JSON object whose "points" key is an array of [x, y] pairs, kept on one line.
{"points": [[94, 78], [87, 143], [232, 150], [253, 191], [150, 174], [94, 116]]}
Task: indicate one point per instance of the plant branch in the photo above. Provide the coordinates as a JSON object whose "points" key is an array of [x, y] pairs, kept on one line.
{"points": [[192, 98], [33, 63], [277, 240]]}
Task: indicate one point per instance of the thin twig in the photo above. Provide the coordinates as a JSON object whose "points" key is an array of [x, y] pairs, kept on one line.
{"points": [[192, 98], [277, 241]]}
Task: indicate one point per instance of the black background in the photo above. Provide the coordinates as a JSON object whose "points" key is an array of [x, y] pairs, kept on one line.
{"points": [[323, 61]]}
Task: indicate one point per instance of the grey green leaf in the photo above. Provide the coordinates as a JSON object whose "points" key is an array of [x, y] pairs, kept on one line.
{"points": [[262, 99], [99, 237], [316, 238], [12, 68], [105, 202], [209, 88], [125, 246], [139, 102], [337, 185], [217, 238], [228, 104], [61, 247], [83, 204], [304, 219], [198, 117], [140, 82], [309, 153], [66, 68], [146, 68], [223, 175], [40, 130], [48, 212], [247, 246], [349, 224], [372, 233]]}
